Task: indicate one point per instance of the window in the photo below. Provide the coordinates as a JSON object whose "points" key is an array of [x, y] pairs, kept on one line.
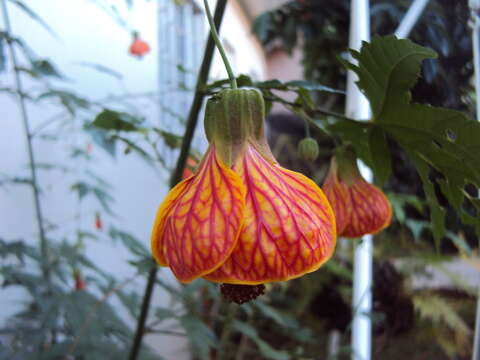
{"points": [[182, 34]]}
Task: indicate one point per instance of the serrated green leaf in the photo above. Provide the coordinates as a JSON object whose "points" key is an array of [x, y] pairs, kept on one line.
{"points": [[386, 67], [441, 138], [380, 154]]}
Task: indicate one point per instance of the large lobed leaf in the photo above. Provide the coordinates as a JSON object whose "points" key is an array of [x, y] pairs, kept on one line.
{"points": [[443, 139]]}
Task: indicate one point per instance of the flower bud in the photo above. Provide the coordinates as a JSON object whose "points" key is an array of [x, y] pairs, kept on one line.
{"points": [[308, 149]]}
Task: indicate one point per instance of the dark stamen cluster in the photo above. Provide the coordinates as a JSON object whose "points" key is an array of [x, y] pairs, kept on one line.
{"points": [[241, 293]]}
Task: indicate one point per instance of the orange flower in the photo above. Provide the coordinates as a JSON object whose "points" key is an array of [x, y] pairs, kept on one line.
{"points": [[242, 218], [360, 208], [139, 47]]}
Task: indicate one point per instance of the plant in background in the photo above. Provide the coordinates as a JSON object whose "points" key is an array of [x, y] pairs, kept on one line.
{"points": [[70, 315]]}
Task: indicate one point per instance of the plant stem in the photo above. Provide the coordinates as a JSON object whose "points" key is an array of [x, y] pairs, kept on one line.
{"points": [[213, 30], [28, 138], [177, 174]]}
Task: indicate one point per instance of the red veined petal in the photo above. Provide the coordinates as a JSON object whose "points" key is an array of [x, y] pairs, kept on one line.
{"points": [[370, 210], [201, 228], [156, 242], [339, 198], [289, 226]]}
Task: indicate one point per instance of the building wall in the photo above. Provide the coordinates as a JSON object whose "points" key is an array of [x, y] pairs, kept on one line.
{"points": [[87, 34]]}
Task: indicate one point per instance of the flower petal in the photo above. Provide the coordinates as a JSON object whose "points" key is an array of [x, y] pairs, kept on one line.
{"points": [[156, 241], [201, 228], [370, 210], [289, 227], [339, 198]]}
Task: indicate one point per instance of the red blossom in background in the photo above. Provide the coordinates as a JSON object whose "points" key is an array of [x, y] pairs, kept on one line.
{"points": [[80, 283], [360, 208], [138, 47], [98, 222]]}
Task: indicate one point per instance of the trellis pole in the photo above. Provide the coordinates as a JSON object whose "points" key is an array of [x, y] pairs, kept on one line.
{"points": [[359, 108]]}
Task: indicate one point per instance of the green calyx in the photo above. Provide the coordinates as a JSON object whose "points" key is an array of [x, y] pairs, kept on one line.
{"points": [[346, 163], [232, 118], [308, 149]]}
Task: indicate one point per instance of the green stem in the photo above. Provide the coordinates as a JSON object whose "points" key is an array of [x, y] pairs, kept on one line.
{"points": [[28, 138], [213, 30], [177, 174]]}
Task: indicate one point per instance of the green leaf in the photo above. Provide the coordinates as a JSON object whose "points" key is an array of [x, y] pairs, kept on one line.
{"points": [[114, 120], [3, 57], [130, 242], [71, 101], [172, 140], [46, 68], [380, 154], [81, 188], [356, 132], [267, 351], [102, 138], [441, 138], [311, 86], [437, 213], [386, 67], [277, 316], [103, 69], [201, 337], [34, 16]]}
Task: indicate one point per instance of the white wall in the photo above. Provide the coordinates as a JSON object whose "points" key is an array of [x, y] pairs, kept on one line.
{"points": [[86, 33]]}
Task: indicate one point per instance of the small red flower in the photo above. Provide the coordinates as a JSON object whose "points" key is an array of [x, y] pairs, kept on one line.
{"points": [[360, 208], [98, 222], [139, 47], [79, 282]]}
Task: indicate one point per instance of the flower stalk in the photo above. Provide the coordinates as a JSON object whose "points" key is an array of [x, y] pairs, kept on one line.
{"points": [[28, 138], [216, 38]]}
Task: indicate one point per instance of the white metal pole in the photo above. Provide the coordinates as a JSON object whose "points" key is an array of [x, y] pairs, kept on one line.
{"points": [[357, 107], [411, 18], [475, 7]]}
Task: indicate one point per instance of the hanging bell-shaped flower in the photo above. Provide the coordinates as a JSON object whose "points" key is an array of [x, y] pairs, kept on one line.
{"points": [[241, 218], [360, 208]]}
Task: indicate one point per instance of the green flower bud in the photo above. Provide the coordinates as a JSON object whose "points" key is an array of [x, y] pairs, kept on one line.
{"points": [[308, 149]]}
